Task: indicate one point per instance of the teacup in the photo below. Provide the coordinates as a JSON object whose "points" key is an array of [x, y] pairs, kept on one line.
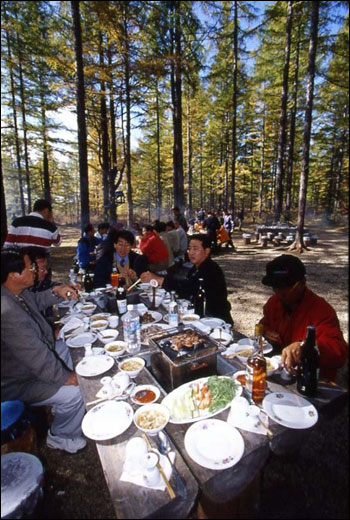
{"points": [[88, 349], [113, 321], [136, 452], [122, 380]]}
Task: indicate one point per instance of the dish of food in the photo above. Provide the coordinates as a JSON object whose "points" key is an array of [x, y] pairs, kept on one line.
{"points": [[132, 366], [144, 394], [240, 376], [188, 340], [152, 331], [115, 348], [100, 316], [150, 317], [201, 399], [188, 318], [151, 418], [99, 325], [267, 347]]}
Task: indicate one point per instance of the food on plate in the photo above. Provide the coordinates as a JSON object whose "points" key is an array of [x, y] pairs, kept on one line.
{"points": [[245, 352], [151, 419], [269, 364], [131, 365], [190, 317], [147, 318], [202, 398], [241, 379], [144, 396], [151, 332], [97, 324], [115, 348], [97, 317]]}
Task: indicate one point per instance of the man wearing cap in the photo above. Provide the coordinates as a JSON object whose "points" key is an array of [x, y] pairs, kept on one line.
{"points": [[292, 308]]}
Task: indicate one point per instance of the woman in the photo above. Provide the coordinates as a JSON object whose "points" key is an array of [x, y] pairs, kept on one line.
{"points": [[155, 249], [117, 253], [203, 267]]}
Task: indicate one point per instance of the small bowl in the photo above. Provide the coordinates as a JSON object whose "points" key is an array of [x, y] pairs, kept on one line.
{"points": [[157, 415], [248, 351], [132, 371], [271, 366], [240, 376], [88, 308], [115, 348], [144, 286], [190, 318], [221, 336], [107, 335], [99, 325], [100, 316]]}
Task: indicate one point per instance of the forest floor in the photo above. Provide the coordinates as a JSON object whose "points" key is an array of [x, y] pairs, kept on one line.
{"points": [[316, 483]]}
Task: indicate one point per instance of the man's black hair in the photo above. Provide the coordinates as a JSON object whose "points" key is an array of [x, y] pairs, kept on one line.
{"points": [[12, 261], [41, 204]]}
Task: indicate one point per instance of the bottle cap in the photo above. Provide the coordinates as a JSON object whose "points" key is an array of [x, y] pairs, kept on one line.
{"points": [[259, 329]]}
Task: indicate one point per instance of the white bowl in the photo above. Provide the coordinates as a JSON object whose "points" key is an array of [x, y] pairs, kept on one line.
{"points": [[238, 348], [115, 348], [132, 372], [99, 325], [271, 366], [108, 335], [220, 335], [152, 412], [88, 308], [100, 316], [144, 286], [190, 318]]}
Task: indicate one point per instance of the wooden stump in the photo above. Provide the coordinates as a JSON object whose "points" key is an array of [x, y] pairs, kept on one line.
{"points": [[264, 241]]}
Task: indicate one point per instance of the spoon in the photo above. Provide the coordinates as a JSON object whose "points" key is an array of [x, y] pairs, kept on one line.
{"points": [[165, 449]]}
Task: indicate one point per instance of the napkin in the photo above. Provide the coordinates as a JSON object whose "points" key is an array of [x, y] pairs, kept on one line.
{"points": [[135, 475], [74, 325], [239, 419], [140, 307]]}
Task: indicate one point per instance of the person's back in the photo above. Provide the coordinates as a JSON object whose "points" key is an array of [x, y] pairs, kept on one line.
{"points": [[86, 248], [36, 229], [154, 248]]}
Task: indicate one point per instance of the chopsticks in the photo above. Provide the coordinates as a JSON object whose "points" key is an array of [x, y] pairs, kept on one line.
{"points": [[103, 399], [161, 471], [268, 431], [133, 285]]}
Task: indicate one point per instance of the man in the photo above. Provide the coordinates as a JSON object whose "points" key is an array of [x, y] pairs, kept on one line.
{"points": [[182, 241], [102, 231], [39, 256], [32, 370], [212, 225], [160, 228], [180, 218], [203, 267], [173, 238], [36, 229], [155, 249], [117, 253], [292, 308], [86, 248]]}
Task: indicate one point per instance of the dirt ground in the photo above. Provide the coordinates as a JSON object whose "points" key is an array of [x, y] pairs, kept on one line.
{"points": [[315, 485]]}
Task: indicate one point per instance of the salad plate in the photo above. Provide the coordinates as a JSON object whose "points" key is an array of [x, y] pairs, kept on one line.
{"points": [[201, 444], [290, 410], [194, 401]]}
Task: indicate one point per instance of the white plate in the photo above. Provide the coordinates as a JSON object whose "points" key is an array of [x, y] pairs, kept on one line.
{"points": [[204, 414], [81, 339], [157, 316], [290, 410], [212, 322], [248, 341], [200, 326], [139, 388], [144, 286], [107, 420], [94, 365], [201, 444], [221, 336], [69, 316], [100, 316]]}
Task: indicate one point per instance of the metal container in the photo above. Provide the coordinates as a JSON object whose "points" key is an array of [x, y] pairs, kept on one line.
{"points": [[173, 370]]}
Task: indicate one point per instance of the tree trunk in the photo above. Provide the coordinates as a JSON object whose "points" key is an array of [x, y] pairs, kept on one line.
{"points": [[159, 171], [81, 121], [283, 118], [14, 111], [104, 130], [128, 116], [299, 243], [262, 165], [339, 167], [3, 209], [189, 156], [176, 98], [234, 108], [114, 166]]}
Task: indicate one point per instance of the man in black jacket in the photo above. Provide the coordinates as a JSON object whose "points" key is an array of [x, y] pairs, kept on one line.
{"points": [[212, 225], [203, 267]]}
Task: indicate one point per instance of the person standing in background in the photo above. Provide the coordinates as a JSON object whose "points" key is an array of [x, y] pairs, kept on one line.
{"points": [[36, 229], [180, 218]]}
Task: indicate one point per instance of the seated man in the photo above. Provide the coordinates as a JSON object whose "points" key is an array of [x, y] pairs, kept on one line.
{"points": [[183, 242], [117, 253], [203, 267], [292, 308], [32, 368], [86, 248], [155, 249]]}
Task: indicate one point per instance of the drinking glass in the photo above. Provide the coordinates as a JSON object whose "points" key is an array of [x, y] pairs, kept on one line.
{"points": [[114, 279]]}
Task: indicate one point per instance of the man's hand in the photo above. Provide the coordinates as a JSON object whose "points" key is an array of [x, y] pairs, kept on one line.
{"points": [[147, 276], [72, 379], [291, 355], [132, 274], [65, 291]]}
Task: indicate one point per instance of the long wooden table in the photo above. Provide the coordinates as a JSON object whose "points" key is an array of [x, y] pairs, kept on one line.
{"points": [[209, 486]]}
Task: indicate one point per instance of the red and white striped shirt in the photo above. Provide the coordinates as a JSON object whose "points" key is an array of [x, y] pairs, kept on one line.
{"points": [[32, 230]]}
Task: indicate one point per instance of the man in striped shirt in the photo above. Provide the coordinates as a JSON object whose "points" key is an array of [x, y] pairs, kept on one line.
{"points": [[36, 229]]}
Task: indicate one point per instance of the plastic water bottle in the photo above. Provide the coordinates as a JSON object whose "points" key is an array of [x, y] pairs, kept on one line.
{"points": [[132, 331]]}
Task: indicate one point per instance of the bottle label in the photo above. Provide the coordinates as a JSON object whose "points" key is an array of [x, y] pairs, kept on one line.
{"points": [[173, 319], [132, 327], [122, 306]]}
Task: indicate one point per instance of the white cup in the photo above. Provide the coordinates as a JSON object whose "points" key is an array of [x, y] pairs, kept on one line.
{"points": [[151, 475], [88, 349], [113, 321], [122, 380], [135, 453], [253, 413]]}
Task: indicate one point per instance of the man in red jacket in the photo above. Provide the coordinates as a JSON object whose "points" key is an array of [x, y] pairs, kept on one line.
{"points": [[292, 308], [153, 247]]}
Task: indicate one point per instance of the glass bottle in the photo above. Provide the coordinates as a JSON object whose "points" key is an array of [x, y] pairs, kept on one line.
{"points": [[173, 311], [307, 373], [121, 300], [256, 369], [131, 329], [200, 300], [88, 283]]}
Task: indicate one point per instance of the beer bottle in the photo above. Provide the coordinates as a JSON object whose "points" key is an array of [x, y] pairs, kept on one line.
{"points": [[121, 300], [308, 365], [256, 369], [200, 300], [88, 283]]}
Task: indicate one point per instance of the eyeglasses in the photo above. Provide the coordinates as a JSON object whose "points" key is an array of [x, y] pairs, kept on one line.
{"points": [[123, 244], [194, 249], [33, 268], [42, 269]]}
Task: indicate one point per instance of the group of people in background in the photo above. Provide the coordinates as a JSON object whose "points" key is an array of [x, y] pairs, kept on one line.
{"points": [[36, 365]]}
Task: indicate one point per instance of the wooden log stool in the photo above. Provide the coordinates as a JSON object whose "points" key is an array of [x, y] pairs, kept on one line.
{"points": [[263, 241], [277, 241], [313, 240], [270, 236], [246, 238], [257, 236]]}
